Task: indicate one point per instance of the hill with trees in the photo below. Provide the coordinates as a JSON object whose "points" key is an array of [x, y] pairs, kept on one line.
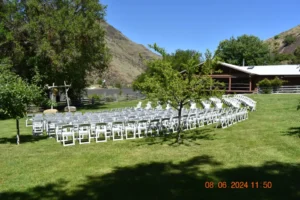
{"points": [[285, 46], [126, 63]]}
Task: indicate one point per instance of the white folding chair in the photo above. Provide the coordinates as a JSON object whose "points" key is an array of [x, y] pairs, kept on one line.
{"points": [[84, 130], [101, 129], [67, 131], [117, 128], [37, 127], [130, 126]]}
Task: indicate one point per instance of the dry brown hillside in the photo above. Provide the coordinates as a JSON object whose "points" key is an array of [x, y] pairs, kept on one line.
{"points": [[126, 64], [277, 43]]}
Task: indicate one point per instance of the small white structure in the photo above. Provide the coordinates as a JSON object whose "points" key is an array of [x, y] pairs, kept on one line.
{"points": [[138, 106], [158, 107], [148, 106], [168, 107], [206, 104], [193, 105], [217, 102]]}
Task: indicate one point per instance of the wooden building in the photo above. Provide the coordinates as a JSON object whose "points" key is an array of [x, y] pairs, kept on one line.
{"points": [[244, 79]]}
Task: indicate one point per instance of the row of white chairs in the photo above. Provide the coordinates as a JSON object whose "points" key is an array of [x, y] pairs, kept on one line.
{"points": [[119, 129], [232, 102], [246, 101]]}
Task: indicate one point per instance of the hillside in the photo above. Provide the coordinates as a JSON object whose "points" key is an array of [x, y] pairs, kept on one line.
{"points": [[278, 42], [126, 64]]}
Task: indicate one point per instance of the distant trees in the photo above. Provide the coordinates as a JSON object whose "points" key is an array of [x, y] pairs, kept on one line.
{"points": [[177, 77], [60, 40], [246, 47]]}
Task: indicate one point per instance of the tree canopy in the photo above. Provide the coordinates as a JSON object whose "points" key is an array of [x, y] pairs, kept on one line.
{"points": [[178, 77], [16, 94], [246, 47], [60, 40]]}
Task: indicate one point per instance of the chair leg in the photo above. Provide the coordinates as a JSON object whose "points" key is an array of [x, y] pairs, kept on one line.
{"points": [[133, 132], [98, 135], [113, 133], [65, 138], [81, 137]]}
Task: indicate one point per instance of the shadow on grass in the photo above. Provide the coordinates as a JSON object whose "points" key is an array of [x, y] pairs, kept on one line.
{"points": [[23, 139], [294, 131], [166, 180], [189, 138]]}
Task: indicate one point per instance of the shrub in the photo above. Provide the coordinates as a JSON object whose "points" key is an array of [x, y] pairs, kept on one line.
{"points": [[276, 37], [289, 39], [95, 96], [118, 85], [264, 83], [277, 82], [266, 90], [110, 99]]}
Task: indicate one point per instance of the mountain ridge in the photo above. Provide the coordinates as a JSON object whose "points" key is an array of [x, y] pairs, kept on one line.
{"points": [[126, 63], [278, 43]]}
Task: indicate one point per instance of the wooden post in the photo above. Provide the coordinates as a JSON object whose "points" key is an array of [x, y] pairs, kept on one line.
{"points": [[53, 86], [67, 89], [250, 83], [229, 86]]}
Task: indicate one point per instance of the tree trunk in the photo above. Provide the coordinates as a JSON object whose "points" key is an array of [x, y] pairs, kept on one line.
{"points": [[178, 139], [18, 131]]}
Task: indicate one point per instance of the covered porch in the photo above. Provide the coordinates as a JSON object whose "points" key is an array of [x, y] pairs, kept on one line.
{"points": [[242, 83]]}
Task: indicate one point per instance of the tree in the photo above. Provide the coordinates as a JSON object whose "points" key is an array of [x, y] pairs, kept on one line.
{"points": [[246, 47], [16, 94], [63, 40], [177, 77]]}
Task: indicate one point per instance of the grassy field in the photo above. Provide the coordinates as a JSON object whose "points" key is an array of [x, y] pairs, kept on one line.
{"points": [[266, 147]]}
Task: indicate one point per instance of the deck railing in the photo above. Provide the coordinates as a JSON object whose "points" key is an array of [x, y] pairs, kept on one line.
{"points": [[280, 90]]}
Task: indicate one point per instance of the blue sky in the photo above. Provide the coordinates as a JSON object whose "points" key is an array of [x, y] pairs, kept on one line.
{"points": [[197, 24]]}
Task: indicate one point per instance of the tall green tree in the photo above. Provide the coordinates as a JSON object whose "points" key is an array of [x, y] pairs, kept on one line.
{"points": [[177, 77], [16, 94], [246, 47], [62, 39]]}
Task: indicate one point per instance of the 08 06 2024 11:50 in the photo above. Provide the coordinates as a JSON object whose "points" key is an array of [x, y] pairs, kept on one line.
{"points": [[238, 184]]}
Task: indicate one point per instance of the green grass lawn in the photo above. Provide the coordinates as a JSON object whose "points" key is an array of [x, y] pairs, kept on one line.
{"points": [[266, 147]]}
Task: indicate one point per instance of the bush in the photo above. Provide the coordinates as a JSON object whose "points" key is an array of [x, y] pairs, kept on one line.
{"points": [[118, 85], [289, 39], [277, 82], [266, 90], [264, 83], [95, 96], [267, 85], [99, 82], [276, 37], [110, 99]]}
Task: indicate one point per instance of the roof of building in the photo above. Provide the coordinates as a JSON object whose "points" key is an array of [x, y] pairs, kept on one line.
{"points": [[270, 70]]}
